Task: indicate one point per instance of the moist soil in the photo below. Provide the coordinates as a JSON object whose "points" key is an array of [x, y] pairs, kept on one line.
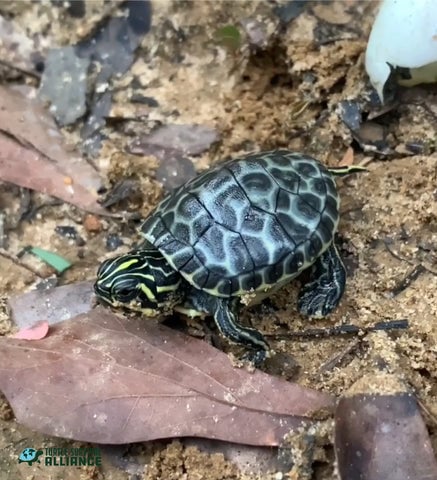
{"points": [[279, 83]]}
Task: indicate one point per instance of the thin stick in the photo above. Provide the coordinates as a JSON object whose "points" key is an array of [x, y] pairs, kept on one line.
{"points": [[408, 280], [426, 410], [343, 330], [395, 255], [19, 263], [2, 231], [20, 69], [338, 357]]}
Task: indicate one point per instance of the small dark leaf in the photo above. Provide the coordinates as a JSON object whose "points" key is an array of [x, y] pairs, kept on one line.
{"points": [[174, 170]]}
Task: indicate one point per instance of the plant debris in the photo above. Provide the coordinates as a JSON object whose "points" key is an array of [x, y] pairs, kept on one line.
{"points": [[57, 262], [280, 89], [36, 332]]}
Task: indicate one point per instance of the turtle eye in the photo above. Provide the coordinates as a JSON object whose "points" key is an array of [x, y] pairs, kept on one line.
{"points": [[125, 289], [125, 294]]}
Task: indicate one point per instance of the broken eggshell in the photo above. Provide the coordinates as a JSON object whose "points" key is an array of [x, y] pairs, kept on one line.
{"points": [[402, 45]]}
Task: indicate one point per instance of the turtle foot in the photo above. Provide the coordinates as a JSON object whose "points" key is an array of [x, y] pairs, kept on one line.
{"points": [[317, 301], [321, 295], [255, 357]]}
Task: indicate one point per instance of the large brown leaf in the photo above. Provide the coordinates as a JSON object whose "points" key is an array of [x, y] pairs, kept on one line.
{"points": [[33, 154], [106, 379]]}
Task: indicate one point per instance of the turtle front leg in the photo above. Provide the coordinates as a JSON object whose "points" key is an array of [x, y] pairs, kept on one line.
{"points": [[321, 295], [226, 319], [224, 311]]}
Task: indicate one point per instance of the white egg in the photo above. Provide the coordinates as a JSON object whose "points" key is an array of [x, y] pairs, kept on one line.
{"points": [[404, 35]]}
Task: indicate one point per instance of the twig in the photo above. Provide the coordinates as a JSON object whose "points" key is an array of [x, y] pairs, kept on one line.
{"points": [[19, 263], [2, 231], [338, 357], [395, 255], [24, 71], [426, 410], [343, 330], [402, 259], [408, 280]]}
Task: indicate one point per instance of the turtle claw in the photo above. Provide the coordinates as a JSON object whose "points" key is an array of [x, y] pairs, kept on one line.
{"points": [[322, 294], [255, 357], [316, 301]]}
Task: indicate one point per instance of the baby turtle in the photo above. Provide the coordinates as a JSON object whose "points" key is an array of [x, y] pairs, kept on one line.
{"points": [[238, 231]]}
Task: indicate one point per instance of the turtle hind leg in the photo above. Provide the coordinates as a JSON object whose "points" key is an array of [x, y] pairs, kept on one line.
{"points": [[321, 295]]}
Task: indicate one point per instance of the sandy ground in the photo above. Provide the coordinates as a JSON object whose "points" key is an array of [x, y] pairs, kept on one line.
{"points": [[285, 92]]}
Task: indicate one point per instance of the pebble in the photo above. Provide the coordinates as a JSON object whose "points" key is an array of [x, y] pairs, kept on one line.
{"points": [[92, 223], [67, 231], [113, 241]]}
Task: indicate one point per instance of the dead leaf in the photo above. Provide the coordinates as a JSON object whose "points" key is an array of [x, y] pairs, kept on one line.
{"points": [[348, 158], [187, 139], [37, 332], [170, 144], [104, 379], [112, 45], [33, 154], [64, 84], [372, 135], [54, 305], [382, 437]]}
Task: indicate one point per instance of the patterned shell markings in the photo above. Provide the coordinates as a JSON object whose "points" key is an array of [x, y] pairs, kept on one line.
{"points": [[247, 224]]}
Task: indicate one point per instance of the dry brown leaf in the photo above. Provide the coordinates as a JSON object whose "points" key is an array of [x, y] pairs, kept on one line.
{"points": [[33, 154], [105, 379]]}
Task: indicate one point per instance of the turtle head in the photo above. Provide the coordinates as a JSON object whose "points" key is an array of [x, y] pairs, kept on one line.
{"points": [[141, 280]]}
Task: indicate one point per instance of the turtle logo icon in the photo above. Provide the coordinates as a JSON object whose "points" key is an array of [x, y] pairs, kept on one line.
{"points": [[29, 455]]}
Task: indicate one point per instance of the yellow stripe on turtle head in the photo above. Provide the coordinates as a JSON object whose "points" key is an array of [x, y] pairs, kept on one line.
{"points": [[167, 288], [125, 265], [108, 272], [146, 290]]}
